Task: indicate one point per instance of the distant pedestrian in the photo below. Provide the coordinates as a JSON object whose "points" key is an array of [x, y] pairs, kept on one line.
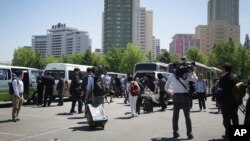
{"points": [[49, 82], [139, 98], [60, 89], [40, 88], [201, 92], [229, 106], [17, 97], [125, 82]]}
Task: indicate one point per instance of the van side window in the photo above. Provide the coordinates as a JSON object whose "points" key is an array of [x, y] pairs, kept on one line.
{"points": [[71, 74], [3, 74]]}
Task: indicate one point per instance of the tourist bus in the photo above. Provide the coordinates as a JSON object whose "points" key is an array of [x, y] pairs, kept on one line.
{"points": [[150, 66], [29, 81]]}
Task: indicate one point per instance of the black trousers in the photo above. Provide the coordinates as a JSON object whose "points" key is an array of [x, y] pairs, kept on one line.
{"points": [[247, 116], [229, 110], [60, 95], [138, 104], [162, 100], [181, 101], [48, 94], [40, 96], [76, 97], [201, 99]]}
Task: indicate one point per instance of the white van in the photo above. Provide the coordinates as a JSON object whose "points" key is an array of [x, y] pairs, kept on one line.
{"points": [[67, 70], [119, 75], [29, 80]]}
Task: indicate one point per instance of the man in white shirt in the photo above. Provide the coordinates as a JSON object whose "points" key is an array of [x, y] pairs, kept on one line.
{"points": [[180, 94], [17, 97]]}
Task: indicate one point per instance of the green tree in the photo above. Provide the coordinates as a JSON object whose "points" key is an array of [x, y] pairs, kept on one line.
{"points": [[24, 57], [164, 57], [98, 59], [50, 59], [243, 61], [196, 55], [132, 55], [87, 58], [38, 62], [114, 59], [225, 52]]}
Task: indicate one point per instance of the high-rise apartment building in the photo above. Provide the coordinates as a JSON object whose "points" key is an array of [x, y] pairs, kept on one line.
{"points": [[145, 30], [155, 47], [223, 23], [61, 40], [182, 42], [120, 23], [227, 10]]}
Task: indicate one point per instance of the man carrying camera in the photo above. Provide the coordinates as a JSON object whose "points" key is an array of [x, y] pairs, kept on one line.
{"points": [[178, 83]]}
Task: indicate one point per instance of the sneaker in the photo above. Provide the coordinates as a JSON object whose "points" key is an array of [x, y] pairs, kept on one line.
{"points": [[72, 112], [190, 136], [80, 112], [176, 135], [44, 106], [14, 120]]}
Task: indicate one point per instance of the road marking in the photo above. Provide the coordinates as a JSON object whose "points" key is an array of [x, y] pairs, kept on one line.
{"points": [[18, 135], [28, 137]]}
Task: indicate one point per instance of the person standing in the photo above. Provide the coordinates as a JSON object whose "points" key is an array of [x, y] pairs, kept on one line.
{"points": [[17, 97], [133, 88], [60, 88], [49, 82], [40, 88], [76, 91], [247, 115], [229, 106], [181, 100], [201, 92], [161, 85], [125, 82]]}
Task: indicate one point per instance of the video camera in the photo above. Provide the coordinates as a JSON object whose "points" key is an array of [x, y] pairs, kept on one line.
{"points": [[183, 67]]}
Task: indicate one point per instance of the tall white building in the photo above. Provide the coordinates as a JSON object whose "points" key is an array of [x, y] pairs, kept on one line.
{"points": [[145, 30], [61, 40], [155, 47]]}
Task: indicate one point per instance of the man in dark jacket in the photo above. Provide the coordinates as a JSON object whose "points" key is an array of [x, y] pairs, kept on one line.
{"points": [[229, 107], [49, 82], [76, 91], [247, 116], [59, 88], [40, 88], [161, 85]]}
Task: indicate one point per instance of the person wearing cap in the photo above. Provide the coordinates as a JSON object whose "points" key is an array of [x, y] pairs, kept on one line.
{"points": [[59, 88], [17, 97], [201, 92], [49, 82], [229, 106]]}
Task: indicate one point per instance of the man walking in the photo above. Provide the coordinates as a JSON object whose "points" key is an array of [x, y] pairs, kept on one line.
{"points": [[17, 97], [229, 106], [40, 88], [201, 92], [161, 84], [59, 88]]}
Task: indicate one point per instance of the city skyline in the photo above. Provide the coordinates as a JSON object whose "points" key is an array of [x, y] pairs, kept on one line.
{"points": [[20, 20]]}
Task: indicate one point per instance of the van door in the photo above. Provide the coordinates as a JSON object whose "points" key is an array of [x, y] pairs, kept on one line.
{"points": [[5, 78], [33, 74]]}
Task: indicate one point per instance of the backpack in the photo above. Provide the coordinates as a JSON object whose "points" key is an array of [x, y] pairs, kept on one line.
{"points": [[11, 89], [239, 91], [134, 90], [99, 89]]}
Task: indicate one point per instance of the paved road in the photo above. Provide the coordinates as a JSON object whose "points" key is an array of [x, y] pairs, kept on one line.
{"points": [[54, 123]]}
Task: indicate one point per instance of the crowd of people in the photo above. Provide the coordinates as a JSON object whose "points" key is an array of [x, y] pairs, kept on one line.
{"points": [[97, 84]]}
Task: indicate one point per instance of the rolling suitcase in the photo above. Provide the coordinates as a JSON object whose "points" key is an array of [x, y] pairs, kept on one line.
{"points": [[96, 116]]}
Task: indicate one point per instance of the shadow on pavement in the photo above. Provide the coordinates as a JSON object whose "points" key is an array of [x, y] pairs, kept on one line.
{"points": [[76, 117], [84, 128], [218, 140], [5, 121], [216, 113], [123, 117], [84, 122], [64, 114], [197, 111], [168, 139], [213, 108]]}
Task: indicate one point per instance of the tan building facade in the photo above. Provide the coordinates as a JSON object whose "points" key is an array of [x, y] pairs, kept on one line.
{"points": [[215, 32]]}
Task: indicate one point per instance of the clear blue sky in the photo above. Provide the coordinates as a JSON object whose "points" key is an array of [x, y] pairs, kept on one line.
{"points": [[20, 19]]}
